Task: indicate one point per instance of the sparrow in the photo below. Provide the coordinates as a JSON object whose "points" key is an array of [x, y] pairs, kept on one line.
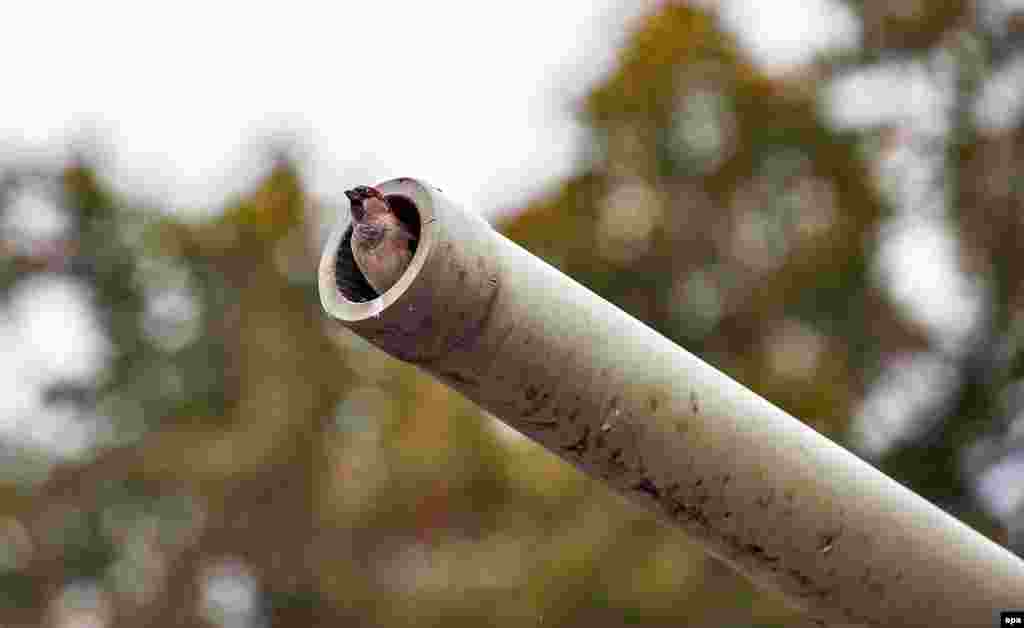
{"points": [[382, 245]]}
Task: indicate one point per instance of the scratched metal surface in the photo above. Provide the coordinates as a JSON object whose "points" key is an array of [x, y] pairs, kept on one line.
{"points": [[782, 504]]}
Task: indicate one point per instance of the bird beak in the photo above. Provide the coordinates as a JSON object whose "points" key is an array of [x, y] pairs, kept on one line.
{"points": [[358, 211]]}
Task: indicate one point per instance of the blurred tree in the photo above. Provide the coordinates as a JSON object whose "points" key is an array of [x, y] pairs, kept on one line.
{"points": [[247, 465]]}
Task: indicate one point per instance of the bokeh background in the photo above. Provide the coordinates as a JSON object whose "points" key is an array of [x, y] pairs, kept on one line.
{"points": [[822, 198]]}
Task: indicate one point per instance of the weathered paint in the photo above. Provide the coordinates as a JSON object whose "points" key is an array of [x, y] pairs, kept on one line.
{"points": [[784, 505]]}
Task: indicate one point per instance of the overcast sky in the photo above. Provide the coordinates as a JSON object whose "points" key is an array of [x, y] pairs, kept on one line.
{"points": [[475, 97]]}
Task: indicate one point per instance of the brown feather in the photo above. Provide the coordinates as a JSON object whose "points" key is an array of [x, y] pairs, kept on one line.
{"points": [[382, 245]]}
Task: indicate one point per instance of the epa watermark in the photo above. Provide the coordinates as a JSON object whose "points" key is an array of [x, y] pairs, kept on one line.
{"points": [[1011, 618]]}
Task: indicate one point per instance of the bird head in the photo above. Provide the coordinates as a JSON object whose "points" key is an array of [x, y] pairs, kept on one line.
{"points": [[366, 200]]}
